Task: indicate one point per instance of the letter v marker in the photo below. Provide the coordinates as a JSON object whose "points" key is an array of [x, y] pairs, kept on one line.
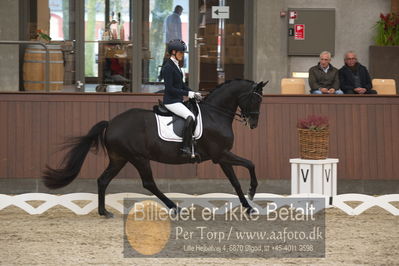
{"points": [[304, 177], [327, 174]]}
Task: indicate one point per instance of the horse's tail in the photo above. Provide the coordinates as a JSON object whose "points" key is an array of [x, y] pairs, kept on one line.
{"points": [[73, 160]]}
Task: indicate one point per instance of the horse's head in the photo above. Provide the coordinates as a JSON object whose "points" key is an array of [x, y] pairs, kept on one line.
{"points": [[249, 103]]}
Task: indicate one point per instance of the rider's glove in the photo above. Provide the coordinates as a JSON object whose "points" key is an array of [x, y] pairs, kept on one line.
{"points": [[196, 95], [191, 94]]}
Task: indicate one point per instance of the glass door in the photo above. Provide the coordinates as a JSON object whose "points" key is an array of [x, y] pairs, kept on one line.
{"points": [[162, 21], [126, 54], [108, 46], [219, 43], [215, 45]]}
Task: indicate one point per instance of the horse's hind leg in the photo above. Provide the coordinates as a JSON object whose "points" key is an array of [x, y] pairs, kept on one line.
{"points": [[144, 168], [103, 181]]}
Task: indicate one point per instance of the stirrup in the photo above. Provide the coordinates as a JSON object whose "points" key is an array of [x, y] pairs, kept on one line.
{"points": [[187, 153], [193, 153]]}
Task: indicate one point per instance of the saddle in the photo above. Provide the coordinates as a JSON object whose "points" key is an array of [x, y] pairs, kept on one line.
{"points": [[177, 121]]}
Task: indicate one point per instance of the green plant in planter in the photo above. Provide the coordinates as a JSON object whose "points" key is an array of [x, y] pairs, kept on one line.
{"points": [[387, 30], [42, 36]]}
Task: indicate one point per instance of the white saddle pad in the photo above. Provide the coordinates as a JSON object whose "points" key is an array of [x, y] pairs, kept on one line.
{"points": [[165, 130]]}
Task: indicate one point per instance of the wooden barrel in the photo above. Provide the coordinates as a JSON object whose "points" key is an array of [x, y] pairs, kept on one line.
{"points": [[34, 67]]}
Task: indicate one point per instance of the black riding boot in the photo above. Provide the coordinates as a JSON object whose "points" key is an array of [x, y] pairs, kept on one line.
{"points": [[187, 137]]}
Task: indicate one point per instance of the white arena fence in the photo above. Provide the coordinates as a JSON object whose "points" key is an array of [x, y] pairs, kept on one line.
{"points": [[116, 201]]}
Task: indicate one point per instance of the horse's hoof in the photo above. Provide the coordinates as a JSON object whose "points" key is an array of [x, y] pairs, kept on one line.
{"points": [[252, 211], [107, 214]]}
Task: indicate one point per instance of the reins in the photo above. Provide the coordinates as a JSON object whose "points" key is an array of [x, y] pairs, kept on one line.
{"points": [[224, 111], [242, 115]]}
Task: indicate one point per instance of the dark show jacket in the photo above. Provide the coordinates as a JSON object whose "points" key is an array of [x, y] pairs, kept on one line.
{"points": [[175, 88], [320, 79], [348, 81]]}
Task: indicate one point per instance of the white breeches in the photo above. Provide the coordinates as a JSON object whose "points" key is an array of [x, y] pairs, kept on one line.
{"points": [[180, 110]]}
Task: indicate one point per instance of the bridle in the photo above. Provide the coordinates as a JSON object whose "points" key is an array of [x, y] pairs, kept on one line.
{"points": [[244, 114]]}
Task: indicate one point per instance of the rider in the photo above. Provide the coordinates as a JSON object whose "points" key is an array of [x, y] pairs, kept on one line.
{"points": [[175, 89]]}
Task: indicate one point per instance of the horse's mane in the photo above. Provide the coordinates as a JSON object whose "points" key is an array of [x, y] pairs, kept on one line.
{"points": [[227, 82]]}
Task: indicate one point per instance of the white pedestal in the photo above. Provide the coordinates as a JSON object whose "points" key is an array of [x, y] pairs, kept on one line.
{"points": [[314, 176]]}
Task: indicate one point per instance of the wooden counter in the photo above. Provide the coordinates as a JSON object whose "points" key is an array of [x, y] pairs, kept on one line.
{"points": [[364, 133]]}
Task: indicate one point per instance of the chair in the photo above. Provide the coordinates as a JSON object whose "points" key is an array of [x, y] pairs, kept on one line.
{"points": [[384, 86], [292, 86]]}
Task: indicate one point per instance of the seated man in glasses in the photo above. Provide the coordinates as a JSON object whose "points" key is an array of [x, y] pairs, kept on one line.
{"points": [[354, 77]]}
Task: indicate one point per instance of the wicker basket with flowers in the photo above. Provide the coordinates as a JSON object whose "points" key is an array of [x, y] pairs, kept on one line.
{"points": [[313, 137]]}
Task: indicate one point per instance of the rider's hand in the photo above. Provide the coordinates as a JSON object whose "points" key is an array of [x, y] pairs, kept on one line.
{"points": [[191, 94], [198, 96]]}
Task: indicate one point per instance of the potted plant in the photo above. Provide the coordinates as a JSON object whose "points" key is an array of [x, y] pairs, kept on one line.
{"points": [[384, 55], [42, 36], [387, 30], [313, 133]]}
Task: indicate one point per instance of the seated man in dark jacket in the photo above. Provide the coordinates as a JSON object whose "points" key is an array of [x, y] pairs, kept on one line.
{"points": [[354, 77], [323, 78]]}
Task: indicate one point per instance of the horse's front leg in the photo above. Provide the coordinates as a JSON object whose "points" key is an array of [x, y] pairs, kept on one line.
{"points": [[229, 172], [231, 158]]}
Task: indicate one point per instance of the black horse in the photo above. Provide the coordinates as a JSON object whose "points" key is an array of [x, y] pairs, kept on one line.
{"points": [[132, 137]]}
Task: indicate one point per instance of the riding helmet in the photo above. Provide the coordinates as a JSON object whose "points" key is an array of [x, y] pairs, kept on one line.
{"points": [[177, 45]]}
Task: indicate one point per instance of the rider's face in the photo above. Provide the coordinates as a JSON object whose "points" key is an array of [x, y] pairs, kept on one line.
{"points": [[179, 55]]}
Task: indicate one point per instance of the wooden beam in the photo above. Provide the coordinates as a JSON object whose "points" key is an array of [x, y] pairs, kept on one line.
{"points": [[395, 6], [43, 16]]}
